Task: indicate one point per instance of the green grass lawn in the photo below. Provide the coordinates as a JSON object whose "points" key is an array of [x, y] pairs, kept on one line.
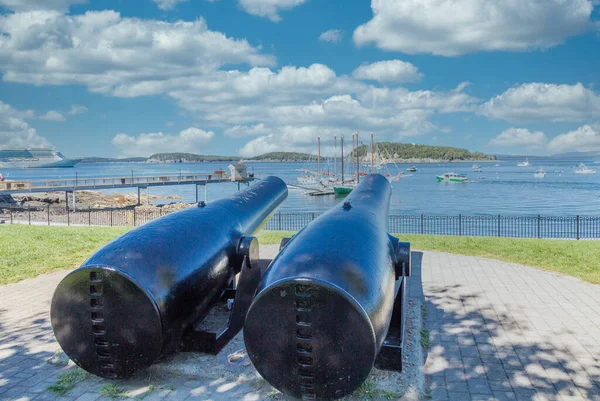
{"points": [[26, 251], [574, 258]]}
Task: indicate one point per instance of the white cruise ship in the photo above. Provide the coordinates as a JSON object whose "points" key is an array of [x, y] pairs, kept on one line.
{"points": [[34, 158]]}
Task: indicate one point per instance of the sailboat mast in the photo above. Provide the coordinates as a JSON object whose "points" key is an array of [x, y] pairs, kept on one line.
{"points": [[335, 156], [319, 158], [357, 161], [352, 157], [342, 159], [372, 154]]}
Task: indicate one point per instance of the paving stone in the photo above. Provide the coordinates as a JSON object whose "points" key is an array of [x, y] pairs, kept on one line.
{"points": [[438, 393], [525, 394], [454, 396], [88, 397], [479, 386], [500, 385], [460, 386], [504, 396]]}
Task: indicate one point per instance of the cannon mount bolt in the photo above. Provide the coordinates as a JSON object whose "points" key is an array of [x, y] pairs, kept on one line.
{"points": [[347, 206], [201, 204]]}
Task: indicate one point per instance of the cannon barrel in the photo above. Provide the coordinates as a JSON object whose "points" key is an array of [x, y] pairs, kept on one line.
{"points": [[133, 300], [323, 308]]}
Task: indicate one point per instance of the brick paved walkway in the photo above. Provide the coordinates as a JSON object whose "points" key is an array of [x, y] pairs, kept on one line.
{"points": [[508, 332], [499, 331]]}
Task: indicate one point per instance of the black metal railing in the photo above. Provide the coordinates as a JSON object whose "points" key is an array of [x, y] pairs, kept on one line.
{"points": [[565, 227]]}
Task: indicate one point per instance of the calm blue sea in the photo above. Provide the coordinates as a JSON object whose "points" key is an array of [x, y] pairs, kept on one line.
{"points": [[507, 189]]}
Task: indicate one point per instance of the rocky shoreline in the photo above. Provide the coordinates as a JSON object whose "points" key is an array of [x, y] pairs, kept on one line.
{"points": [[93, 208], [88, 200]]}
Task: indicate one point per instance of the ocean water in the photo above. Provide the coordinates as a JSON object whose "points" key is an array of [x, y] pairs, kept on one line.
{"points": [[506, 190]]}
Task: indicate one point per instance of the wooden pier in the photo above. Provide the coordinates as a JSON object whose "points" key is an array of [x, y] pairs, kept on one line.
{"points": [[71, 185]]}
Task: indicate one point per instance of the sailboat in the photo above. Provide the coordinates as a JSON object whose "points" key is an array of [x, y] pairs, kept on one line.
{"points": [[524, 164], [373, 160], [345, 187], [583, 169]]}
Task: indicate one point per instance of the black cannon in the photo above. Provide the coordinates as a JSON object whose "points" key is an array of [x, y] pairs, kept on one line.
{"points": [[141, 296], [331, 304]]}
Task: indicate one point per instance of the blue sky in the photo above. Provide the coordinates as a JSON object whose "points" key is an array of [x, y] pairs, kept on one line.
{"points": [[130, 78]]}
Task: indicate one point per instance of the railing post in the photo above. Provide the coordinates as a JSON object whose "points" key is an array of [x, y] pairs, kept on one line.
{"points": [[577, 225], [89, 217], [134, 217], [111, 217], [29, 213], [279, 217], [422, 222], [539, 226], [460, 224], [68, 217], [48, 214], [498, 225], [11, 215]]}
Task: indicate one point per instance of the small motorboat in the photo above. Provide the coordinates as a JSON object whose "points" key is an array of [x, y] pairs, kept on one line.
{"points": [[412, 169], [539, 173], [452, 178]]}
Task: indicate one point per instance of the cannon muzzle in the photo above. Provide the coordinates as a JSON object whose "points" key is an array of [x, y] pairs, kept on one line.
{"points": [[136, 299], [329, 307]]}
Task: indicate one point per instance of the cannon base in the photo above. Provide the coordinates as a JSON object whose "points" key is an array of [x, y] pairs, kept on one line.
{"points": [[208, 335], [390, 355]]}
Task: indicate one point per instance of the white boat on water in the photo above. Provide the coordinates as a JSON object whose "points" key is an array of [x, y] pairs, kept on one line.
{"points": [[524, 164], [540, 173], [477, 168], [34, 158], [583, 169]]}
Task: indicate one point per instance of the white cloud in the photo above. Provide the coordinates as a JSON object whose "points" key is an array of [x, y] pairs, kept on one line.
{"points": [[388, 71], [114, 55], [15, 132], [302, 99], [292, 139], [190, 140], [514, 137], [269, 8], [583, 139], [541, 101], [168, 4], [453, 27], [53, 115], [332, 35], [29, 5], [77, 109], [129, 57], [239, 131]]}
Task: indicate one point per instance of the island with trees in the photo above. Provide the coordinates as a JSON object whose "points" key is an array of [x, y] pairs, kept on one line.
{"points": [[390, 152]]}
